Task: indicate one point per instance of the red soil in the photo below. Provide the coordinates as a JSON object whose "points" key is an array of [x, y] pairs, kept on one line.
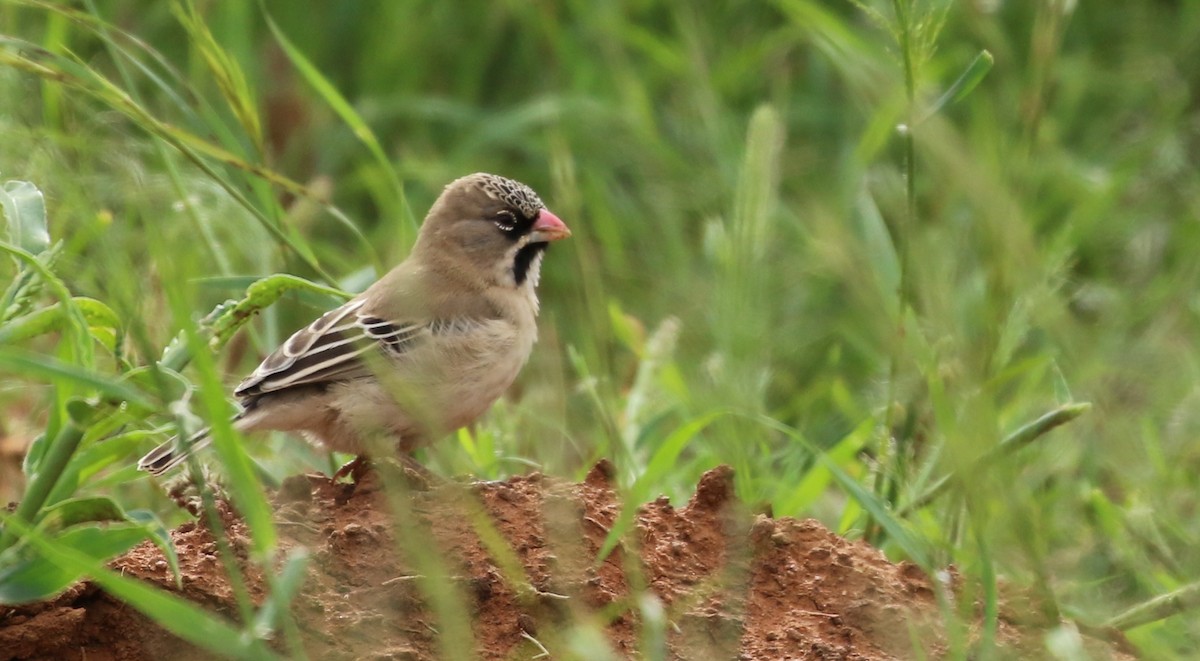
{"points": [[726, 585]]}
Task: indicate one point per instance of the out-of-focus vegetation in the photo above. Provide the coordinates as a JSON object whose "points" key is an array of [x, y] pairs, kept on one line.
{"points": [[847, 248]]}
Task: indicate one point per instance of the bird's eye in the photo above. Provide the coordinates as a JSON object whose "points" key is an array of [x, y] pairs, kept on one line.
{"points": [[506, 221]]}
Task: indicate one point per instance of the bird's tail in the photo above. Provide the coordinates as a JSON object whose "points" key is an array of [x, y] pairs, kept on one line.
{"points": [[173, 452]]}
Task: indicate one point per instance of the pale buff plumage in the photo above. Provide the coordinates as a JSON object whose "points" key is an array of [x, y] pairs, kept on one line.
{"points": [[426, 349]]}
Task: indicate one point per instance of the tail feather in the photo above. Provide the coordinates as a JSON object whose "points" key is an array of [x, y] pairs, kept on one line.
{"points": [[172, 453]]}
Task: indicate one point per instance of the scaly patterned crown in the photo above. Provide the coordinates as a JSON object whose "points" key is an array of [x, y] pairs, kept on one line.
{"points": [[513, 193]]}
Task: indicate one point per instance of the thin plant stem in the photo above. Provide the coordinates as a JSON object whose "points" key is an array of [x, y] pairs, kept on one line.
{"points": [[889, 456]]}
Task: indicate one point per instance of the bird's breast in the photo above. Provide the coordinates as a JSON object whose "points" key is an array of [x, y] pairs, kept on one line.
{"points": [[479, 365]]}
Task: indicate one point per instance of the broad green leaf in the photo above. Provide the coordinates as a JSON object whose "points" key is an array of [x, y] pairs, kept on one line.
{"points": [[25, 212], [86, 509], [29, 576]]}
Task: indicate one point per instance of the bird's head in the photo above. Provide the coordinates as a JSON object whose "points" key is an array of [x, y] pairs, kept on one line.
{"points": [[500, 225]]}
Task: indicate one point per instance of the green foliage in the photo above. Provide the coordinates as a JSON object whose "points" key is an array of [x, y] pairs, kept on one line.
{"points": [[856, 250]]}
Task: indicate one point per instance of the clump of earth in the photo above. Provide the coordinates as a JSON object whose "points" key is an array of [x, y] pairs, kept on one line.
{"points": [[708, 580]]}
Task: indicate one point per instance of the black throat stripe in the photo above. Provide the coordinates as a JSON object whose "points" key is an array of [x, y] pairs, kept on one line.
{"points": [[524, 260]]}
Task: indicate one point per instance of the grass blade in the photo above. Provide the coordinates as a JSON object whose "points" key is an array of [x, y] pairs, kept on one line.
{"points": [[660, 464], [976, 71], [52, 370], [346, 112], [1015, 441], [36, 578], [914, 548]]}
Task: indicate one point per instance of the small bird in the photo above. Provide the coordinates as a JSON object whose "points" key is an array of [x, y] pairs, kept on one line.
{"points": [[425, 350]]}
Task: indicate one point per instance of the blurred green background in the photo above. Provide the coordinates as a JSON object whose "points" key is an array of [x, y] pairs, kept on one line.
{"points": [[786, 239]]}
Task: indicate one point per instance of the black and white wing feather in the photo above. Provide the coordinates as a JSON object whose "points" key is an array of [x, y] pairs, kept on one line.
{"points": [[330, 349]]}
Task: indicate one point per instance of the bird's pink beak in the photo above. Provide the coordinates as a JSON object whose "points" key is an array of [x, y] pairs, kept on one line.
{"points": [[549, 227]]}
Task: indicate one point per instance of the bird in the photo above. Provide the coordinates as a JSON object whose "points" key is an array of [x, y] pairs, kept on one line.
{"points": [[425, 350]]}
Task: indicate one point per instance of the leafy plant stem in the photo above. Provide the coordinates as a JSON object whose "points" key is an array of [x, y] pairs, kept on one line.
{"points": [[1163, 606], [51, 467]]}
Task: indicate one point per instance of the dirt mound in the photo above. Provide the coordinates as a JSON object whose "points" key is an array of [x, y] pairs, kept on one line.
{"points": [[520, 555]]}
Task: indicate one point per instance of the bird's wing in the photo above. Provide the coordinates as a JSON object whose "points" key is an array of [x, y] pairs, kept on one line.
{"points": [[331, 349]]}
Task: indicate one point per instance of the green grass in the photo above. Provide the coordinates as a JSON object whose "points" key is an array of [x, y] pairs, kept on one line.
{"points": [[765, 270]]}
